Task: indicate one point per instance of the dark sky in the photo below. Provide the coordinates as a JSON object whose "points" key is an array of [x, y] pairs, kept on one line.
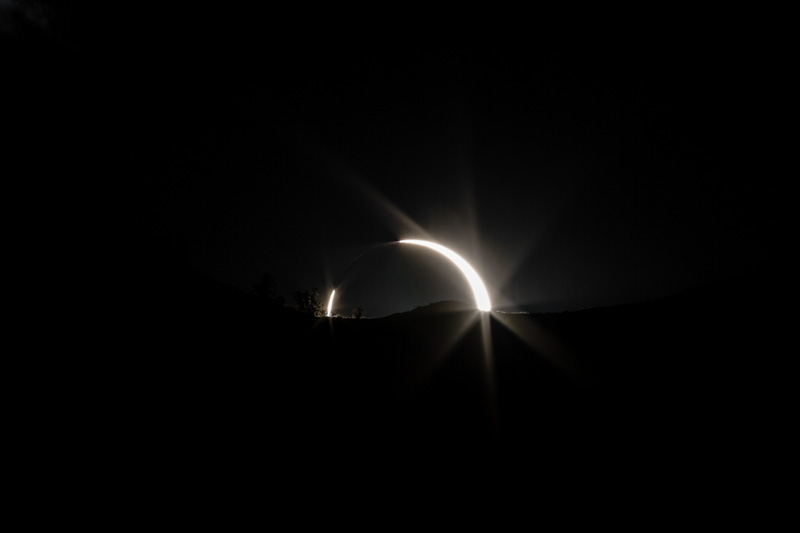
{"points": [[573, 166]]}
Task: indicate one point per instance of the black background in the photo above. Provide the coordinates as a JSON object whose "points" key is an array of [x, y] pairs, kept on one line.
{"points": [[575, 162]]}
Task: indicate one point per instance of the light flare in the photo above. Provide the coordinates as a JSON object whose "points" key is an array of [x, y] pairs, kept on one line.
{"points": [[475, 282], [330, 302], [478, 288]]}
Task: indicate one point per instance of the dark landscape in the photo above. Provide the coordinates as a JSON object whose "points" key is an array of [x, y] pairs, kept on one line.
{"points": [[617, 184], [665, 388]]}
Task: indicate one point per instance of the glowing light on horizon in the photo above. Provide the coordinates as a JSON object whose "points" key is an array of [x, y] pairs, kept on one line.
{"points": [[475, 282], [330, 302], [478, 288]]}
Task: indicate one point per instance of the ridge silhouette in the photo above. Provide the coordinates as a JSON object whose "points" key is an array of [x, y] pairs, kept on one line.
{"points": [[215, 369]]}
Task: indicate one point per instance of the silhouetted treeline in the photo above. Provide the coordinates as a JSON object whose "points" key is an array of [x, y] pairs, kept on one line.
{"points": [[306, 302], [267, 290]]}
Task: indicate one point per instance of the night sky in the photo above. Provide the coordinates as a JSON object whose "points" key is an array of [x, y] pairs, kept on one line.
{"points": [[572, 165]]}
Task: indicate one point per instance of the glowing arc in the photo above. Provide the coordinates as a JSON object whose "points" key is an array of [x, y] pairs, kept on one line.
{"points": [[476, 284], [478, 288], [330, 302]]}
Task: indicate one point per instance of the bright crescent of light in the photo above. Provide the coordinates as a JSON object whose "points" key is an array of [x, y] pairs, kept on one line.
{"points": [[330, 302], [478, 288]]}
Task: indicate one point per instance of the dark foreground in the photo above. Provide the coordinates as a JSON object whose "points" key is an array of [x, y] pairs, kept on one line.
{"points": [[207, 381]]}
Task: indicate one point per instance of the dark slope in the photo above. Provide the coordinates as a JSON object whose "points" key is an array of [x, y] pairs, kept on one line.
{"points": [[206, 363]]}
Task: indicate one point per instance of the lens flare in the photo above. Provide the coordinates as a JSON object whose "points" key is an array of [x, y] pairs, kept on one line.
{"points": [[330, 302], [475, 282]]}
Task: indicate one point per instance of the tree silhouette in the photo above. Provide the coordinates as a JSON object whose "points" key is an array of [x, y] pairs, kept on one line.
{"points": [[267, 289], [307, 302], [358, 312]]}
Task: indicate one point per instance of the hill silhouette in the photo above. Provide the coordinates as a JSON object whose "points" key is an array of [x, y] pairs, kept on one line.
{"points": [[207, 369]]}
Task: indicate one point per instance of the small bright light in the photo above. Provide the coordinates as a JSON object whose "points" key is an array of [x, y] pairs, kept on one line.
{"points": [[478, 288], [330, 302]]}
